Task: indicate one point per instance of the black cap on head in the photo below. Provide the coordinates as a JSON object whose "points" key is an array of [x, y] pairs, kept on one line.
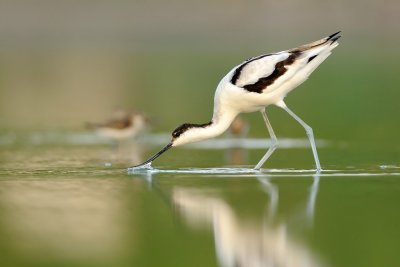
{"points": [[181, 129], [186, 126]]}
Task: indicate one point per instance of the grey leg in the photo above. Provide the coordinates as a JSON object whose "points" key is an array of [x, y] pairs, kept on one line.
{"points": [[274, 141], [309, 132]]}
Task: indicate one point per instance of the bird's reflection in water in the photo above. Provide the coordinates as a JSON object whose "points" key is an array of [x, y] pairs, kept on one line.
{"points": [[273, 193], [241, 244], [312, 198]]}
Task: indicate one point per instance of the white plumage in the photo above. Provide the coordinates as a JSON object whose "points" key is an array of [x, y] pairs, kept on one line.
{"points": [[257, 68], [252, 86]]}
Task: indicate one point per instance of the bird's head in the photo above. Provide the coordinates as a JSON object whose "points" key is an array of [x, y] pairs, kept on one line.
{"points": [[188, 133], [183, 134]]}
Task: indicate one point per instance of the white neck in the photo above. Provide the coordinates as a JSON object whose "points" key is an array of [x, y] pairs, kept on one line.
{"points": [[220, 122]]}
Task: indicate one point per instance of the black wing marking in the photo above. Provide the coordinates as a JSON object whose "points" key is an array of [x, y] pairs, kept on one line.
{"points": [[280, 69], [239, 69]]}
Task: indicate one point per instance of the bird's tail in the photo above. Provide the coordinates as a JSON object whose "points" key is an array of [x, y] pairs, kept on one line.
{"points": [[330, 41], [313, 54]]}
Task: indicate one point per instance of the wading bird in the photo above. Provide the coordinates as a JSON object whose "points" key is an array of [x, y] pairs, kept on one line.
{"points": [[252, 86], [122, 125]]}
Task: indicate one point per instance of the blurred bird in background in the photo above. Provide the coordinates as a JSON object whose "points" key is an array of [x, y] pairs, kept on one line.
{"points": [[239, 127], [123, 126]]}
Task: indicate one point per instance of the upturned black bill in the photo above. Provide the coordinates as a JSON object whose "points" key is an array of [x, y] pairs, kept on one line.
{"points": [[154, 157]]}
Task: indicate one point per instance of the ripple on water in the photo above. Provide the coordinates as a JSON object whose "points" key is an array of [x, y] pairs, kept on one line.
{"points": [[250, 172]]}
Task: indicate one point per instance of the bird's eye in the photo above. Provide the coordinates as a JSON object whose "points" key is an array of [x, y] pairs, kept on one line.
{"points": [[180, 130]]}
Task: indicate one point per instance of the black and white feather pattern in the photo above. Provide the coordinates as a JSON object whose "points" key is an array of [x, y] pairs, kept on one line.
{"points": [[253, 69], [252, 86], [256, 74]]}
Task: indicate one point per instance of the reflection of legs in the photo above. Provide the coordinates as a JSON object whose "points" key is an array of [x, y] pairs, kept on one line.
{"points": [[274, 141], [312, 198], [309, 132], [272, 191]]}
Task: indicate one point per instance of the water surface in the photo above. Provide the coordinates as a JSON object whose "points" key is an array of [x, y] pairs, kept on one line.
{"points": [[73, 203]]}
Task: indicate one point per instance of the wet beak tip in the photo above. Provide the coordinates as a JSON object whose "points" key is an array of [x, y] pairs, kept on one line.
{"points": [[148, 162]]}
